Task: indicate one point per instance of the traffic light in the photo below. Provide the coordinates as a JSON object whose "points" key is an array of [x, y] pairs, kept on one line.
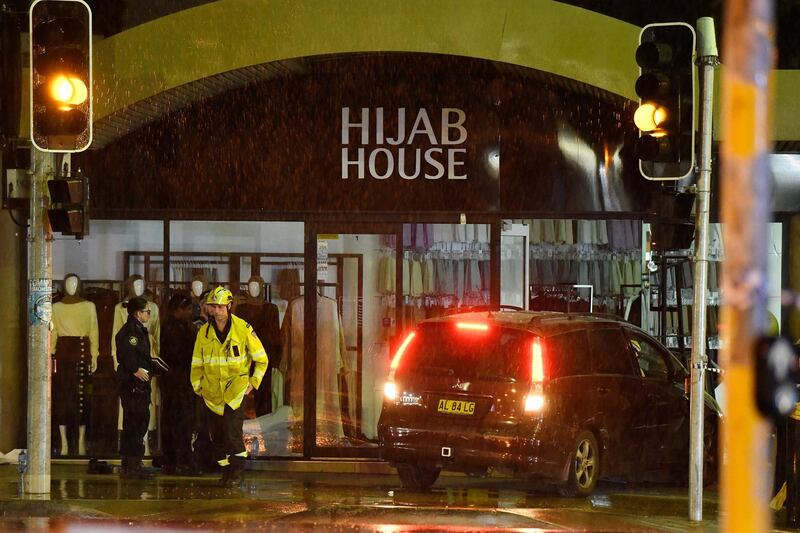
{"points": [[776, 377], [61, 75], [666, 89], [69, 205], [673, 225]]}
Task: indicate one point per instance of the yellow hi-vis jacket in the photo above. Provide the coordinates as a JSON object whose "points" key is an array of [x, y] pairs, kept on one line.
{"points": [[221, 370]]}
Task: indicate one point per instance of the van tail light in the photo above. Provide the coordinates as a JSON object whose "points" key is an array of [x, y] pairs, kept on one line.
{"points": [[390, 391], [537, 361], [534, 401], [687, 385], [400, 351]]}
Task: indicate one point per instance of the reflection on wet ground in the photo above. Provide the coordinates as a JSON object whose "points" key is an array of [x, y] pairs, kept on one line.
{"points": [[279, 501]]}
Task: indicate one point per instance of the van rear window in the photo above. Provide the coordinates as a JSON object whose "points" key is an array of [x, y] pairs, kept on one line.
{"points": [[496, 353]]}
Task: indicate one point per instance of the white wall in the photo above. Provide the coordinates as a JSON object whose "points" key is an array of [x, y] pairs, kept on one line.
{"points": [[100, 255]]}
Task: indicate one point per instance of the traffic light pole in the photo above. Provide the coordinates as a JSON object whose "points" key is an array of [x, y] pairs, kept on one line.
{"points": [[749, 52], [707, 59], [37, 475]]}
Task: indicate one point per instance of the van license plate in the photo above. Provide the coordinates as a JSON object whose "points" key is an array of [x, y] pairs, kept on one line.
{"points": [[456, 407]]}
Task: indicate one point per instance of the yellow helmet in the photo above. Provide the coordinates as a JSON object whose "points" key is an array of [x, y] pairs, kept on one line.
{"points": [[219, 296]]}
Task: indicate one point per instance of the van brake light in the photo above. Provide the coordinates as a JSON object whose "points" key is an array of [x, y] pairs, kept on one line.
{"points": [[472, 326]]}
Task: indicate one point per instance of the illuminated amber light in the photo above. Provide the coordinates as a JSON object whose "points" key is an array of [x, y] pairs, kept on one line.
{"points": [[648, 117], [68, 91]]}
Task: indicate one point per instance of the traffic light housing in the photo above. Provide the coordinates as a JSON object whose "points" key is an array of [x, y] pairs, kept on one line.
{"points": [[776, 377], [666, 89], [61, 75], [673, 224], [69, 205]]}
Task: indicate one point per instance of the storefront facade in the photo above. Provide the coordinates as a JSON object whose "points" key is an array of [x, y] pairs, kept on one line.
{"points": [[402, 186]]}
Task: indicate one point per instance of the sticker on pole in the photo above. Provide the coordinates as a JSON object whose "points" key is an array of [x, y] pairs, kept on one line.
{"points": [[322, 260], [40, 308]]}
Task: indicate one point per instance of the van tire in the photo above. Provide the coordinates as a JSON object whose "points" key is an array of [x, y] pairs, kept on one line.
{"points": [[417, 478], [584, 466]]}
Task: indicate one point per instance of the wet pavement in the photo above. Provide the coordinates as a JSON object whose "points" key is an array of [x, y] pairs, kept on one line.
{"points": [[278, 501]]}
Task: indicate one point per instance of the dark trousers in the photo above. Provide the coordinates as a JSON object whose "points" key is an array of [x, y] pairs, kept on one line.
{"points": [[135, 419], [178, 424], [226, 432]]}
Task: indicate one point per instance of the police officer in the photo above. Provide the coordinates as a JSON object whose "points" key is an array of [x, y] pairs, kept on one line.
{"points": [[224, 351], [133, 378]]}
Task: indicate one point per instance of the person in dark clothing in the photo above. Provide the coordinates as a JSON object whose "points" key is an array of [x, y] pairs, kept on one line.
{"points": [[178, 399], [133, 378]]}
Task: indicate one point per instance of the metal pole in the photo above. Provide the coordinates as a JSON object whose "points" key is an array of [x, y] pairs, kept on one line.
{"points": [[37, 476], [748, 51], [707, 59]]}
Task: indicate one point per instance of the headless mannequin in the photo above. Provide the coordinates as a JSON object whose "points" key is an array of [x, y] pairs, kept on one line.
{"points": [[74, 317], [135, 286]]}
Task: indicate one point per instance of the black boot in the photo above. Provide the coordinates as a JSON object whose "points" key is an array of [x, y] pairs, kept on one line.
{"points": [[237, 472], [226, 475], [124, 465], [136, 470]]}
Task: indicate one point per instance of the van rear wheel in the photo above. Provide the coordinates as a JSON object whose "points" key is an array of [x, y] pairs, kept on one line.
{"points": [[584, 467], [415, 477]]}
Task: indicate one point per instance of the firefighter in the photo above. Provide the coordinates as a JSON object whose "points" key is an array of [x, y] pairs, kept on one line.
{"points": [[133, 377], [223, 353]]}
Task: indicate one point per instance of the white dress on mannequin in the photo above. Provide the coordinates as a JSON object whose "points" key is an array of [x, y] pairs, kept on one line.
{"points": [[330, 351]]}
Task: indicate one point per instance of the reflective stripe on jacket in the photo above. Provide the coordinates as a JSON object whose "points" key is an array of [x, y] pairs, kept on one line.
{"points": [[221, 371]]}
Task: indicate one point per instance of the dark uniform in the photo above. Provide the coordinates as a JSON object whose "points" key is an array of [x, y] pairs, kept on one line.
{"points": [[133, 353], [177, 343]]}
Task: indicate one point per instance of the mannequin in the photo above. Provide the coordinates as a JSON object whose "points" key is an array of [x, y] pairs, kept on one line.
{"points": [[135, 286], [75, 345], [264, 317], [197, 287], [330, 364]]}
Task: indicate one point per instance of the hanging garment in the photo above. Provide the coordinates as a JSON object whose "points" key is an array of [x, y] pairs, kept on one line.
{"points": [[583, 272], [460, 232], [406, 277], [549, 231], [535, 231], [602, 232], [408, 239], [482, 234], [442, 233], [416, 289], [330, 365], [428, 277], [77, 319], [564, 232], [420, 242], [288, 284], [587, 233], [264, 318], [71, 381], [459, 267]]}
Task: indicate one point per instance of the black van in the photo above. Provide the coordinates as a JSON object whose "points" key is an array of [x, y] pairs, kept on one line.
{"points": [[560, 398]]}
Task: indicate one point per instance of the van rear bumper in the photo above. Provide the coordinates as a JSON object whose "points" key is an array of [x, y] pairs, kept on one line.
{"points": [[523, 450]]}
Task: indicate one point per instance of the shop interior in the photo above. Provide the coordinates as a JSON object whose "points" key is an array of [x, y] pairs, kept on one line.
{"points": [[370, 285]]}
